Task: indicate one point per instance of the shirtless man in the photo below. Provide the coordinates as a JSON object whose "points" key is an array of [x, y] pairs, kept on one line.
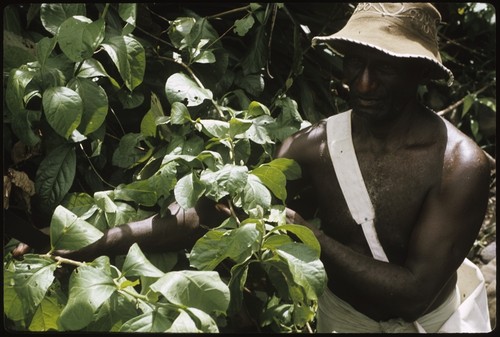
{"points": [[427, 181]]}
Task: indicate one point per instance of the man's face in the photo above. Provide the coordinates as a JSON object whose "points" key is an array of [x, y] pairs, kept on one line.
{"points": [[380, 85]]}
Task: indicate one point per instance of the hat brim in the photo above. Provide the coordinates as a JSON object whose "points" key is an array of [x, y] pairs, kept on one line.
{"points": [[394, 42]]}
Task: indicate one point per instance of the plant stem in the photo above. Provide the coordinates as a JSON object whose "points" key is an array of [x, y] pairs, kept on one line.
{"points": [[231, 11], [94, 169]]}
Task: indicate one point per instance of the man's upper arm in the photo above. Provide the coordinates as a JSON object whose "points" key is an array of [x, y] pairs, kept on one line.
{"points": [[449, 222]]}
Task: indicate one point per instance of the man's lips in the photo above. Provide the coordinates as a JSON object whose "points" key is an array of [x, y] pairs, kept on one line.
{"points": [[367, 102]]}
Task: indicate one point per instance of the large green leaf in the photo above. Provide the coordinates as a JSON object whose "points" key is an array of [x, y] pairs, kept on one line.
{"points": [[95, 104], [303, 233], [305, 266], [180, 88], [21, 118], [67, 231], [129, 152], [53, 15], [289, 167], [79, 37], [55, 175], [237, 244], [44, 48], [140, 192], [49, 310], [89, 287], [215, 128], [63, 108], [188, 190], [136, 264], [255, 194], [198, 289], [157, 320], [273, 178], [33, 276], [204, 322], [258, 132], [231, 179], [81, 204], [129, 57], [12, 304]]}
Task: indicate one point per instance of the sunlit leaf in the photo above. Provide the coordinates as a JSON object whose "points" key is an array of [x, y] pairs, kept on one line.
{"points": [[67, 231]]}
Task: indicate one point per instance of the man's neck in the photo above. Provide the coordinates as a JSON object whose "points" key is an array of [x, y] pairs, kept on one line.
{"points": [[389, 134]]}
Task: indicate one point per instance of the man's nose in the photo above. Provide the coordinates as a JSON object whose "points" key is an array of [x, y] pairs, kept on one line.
{"points": [[365, 81]]}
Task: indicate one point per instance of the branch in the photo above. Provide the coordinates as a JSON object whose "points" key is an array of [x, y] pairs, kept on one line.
{"points": [[459, 102]]}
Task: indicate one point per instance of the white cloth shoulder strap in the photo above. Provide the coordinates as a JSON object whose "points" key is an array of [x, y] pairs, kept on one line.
{"points": [[345, 162]]}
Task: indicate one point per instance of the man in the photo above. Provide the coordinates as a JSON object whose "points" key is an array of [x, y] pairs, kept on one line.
{"points": [[424, 183], [427, 182]]}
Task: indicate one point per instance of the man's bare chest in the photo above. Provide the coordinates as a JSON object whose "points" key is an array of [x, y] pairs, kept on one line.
{"points": [[397, 184]]}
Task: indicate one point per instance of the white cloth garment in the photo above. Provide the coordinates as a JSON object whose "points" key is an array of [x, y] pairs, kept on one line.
{"points": [[467, 313]]}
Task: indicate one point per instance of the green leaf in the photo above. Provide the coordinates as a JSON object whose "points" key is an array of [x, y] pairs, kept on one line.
{"points": [[256, 58], [55, 175], [231, 179], [89, 288], [253, 84], [53, 15], [468, 102], [255, 194], [136, 264], [157, 320], [129, 57], [67, 231], [81, 204], [237, 244], [306, 268], [204, 322], [95, 104], [47, 313], [188, 190], [258, 132], [63, 109], [140, 192], [256, 109], [215, 128], [242, 26], [198, 289], [238, 126], [273, 178], [303, 233], [12, 304], [127, 154], [179, 113], [289, 167], [239, 274], [33, 276], [179, 30], [183, 323], [44, 48], [21, 118], [20, 49], [79, 37], [92, 68], [180, 88], [128, 12]]}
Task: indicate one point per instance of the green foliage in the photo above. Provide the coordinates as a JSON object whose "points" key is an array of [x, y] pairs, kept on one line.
{"points": [[121, 109]]}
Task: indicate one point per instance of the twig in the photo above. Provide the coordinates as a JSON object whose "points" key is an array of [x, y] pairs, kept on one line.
{"points": [[239, 9], [459, 102]]}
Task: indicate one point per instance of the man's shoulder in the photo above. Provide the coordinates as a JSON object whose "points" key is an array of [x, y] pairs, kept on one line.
{"points": [[463, 153]]}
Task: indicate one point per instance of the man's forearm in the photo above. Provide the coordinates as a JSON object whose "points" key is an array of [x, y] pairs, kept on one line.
{"points": [[175, 231], [362, 279]]}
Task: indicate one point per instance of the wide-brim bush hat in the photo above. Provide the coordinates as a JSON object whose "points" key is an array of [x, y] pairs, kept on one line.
{"points": [[398, 29]]}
